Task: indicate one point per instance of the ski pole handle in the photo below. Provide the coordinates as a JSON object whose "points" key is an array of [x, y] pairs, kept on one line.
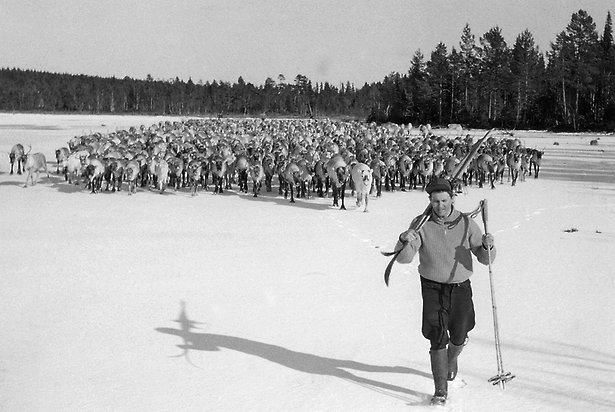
{"points": [[484, 213]]}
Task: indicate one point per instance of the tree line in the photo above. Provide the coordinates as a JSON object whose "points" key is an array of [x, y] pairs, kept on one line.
{"points": [[482, 83]]}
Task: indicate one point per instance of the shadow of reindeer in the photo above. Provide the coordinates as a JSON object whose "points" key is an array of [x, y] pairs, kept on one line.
{"points": [[303, 362]]}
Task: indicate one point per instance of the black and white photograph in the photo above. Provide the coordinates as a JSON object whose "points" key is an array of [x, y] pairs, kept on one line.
{"points": [[307, 206]]}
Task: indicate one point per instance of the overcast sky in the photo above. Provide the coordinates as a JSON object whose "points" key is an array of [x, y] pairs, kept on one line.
{"points": [[336, 41]]}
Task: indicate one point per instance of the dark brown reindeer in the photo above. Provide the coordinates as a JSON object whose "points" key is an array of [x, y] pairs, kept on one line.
{"points": [[268, 164], [218, 168], [242, 165], [290, 180], [535, 161], [338, 172], [321, 181]]}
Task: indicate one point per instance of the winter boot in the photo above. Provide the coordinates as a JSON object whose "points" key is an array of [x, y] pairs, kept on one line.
{"points": [[439, 370], [453, 353]]}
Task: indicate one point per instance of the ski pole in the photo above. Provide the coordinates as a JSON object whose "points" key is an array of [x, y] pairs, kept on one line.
{"points": [[502, 377]]}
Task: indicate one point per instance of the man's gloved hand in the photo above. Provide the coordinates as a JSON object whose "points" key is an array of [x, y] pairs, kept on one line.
{"points": [[488, 241], [408, 236]]}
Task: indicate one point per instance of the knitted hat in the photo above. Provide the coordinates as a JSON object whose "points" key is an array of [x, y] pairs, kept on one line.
{"points": [[439, 184]]}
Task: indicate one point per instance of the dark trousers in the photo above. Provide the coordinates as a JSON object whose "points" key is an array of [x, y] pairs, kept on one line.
{"points": [[448, 312]]}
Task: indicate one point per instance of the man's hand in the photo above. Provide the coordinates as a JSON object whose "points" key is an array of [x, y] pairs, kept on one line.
{"points": [[408, 236], [488, 241]]}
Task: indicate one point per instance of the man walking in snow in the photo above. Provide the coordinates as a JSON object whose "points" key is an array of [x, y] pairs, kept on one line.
{"points": [[445, 245]]}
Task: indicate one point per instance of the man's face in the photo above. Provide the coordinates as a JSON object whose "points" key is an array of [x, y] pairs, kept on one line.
{"points": [[441, 203]]}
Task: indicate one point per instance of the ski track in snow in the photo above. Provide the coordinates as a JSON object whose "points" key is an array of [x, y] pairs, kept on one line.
{"points": [[540, 211]]}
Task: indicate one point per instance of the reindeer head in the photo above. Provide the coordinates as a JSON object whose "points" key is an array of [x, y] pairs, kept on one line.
{"points": [[366, 175], [341, 173]]}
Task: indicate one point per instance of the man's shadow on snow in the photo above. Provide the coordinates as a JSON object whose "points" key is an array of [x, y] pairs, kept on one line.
{"points": [[303, 362]]}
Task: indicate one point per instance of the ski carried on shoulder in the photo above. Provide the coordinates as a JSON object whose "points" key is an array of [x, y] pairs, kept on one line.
{"points": [[418, 223]]}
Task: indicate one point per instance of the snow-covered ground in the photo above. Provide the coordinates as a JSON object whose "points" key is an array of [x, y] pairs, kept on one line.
{"points": [[151, 302]]}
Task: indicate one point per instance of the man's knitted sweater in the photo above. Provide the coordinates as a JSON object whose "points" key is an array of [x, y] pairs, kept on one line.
{"points": [[445, 247]]}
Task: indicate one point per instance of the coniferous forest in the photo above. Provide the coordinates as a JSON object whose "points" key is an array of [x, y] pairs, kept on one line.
{"points": [[484, 82]]}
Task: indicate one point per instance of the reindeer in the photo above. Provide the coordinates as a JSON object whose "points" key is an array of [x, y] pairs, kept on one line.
{"points": [[176, 171], [321, 181], [514, 166], [378, 170], [486, 169], [305, 179], [61, 158], [361, 175], [94, 173], [535, 160], [74, 167], [161, 171], [290, 179], [241, 165], [195, 170], [257, 174], [390, 161], [500, 168], [525, 162], [205, 170], [218, 167], [404, 166], [18, 155], [425, 166], [229, 175], [33, 165], [450, 166], [337, 169], [111, 174], [151, 178], [268, 164], [438, 167], [131, 175]]}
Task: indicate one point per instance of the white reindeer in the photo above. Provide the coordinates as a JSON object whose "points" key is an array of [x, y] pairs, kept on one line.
{"points": [[34, 164], [362, 177]]}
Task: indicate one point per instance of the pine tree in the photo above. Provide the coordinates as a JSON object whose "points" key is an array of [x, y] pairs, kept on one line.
{"points": [[470, 59], [438, 70], [416, 95], [574, 63], [526, 71], [605, 109], [495, 71]]}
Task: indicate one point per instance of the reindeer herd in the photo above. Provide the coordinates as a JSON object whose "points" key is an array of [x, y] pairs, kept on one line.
{"points": [[306, 157]]}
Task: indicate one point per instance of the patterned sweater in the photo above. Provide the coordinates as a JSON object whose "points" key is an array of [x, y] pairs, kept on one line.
{"points": [[445, 247]]}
